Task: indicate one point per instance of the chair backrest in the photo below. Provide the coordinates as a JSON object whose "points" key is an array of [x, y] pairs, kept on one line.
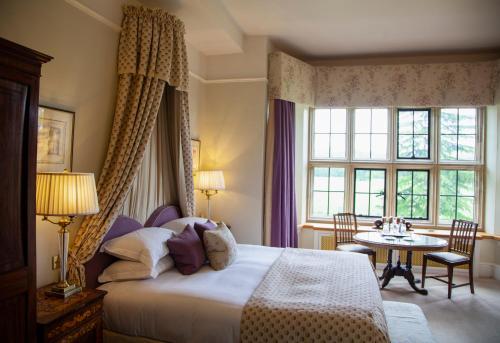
{"points": [[463, 237], [346, 226]]}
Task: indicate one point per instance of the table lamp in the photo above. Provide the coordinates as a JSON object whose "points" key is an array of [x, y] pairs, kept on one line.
{"points": [[210, 183], [65, 195]]}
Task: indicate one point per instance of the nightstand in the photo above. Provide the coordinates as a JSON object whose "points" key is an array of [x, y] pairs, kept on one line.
{"points": [[76, 318]]}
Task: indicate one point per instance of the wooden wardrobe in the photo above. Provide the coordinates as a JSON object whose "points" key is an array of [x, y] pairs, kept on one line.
{"points": [[19, 82]]}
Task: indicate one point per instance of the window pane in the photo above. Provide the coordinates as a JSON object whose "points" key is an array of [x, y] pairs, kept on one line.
{"points": [[321, 145], [413, 134], [404, 182], [421, 122], [320, 180], [419, 207], [449, 121], [447, 205], [339, 120], [412, 194], [362, 146], [420, 182], [337, 149], [449, 147], [466, 182], [379, 120], [379, 147], [404, 206], [369, 193], [458, 134], [362, 204], [448, 182], [337, 179], [467, 121], [405, 122], [322, 121], [327, 191], [362, 120], [320, 204], [376, 205], [336, 203], [405, 147], [362, 180], [465, 208], [457, 195], [466, 147], [377, 184], [421, 149]]}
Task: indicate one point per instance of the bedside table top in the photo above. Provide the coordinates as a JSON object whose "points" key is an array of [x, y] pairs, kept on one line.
{"points": [[50, 308]]}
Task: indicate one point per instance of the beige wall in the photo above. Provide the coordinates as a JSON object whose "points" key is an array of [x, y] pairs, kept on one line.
{"points": [[231, 127], [81, 78], [232, 131]]}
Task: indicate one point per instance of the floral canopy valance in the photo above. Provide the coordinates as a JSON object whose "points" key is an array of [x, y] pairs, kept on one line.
{"points": [[432, 84], [152, 44]]}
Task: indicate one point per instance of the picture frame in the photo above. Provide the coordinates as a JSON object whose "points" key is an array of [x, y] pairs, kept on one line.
{"points": [[195, 151], [55, 139]]}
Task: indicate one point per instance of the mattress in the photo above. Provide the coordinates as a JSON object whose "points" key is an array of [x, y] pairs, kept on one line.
{"points": [[203, 307]]}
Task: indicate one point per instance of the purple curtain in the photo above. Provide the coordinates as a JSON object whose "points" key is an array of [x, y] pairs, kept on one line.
{"points": [[283, 210]]}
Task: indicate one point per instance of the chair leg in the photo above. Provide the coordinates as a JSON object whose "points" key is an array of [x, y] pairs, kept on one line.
{"points": [[424, 270], [471, 278], [374, 260], [450, 280]]}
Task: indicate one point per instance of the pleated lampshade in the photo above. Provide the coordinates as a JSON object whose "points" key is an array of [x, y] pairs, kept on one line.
{"points": [[211, 180], [66, 194]]}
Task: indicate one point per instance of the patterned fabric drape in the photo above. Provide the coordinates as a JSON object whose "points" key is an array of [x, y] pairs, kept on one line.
{"points": [[291, 79], [160, 178], [281, 212], [151, 53], [430, 84]]}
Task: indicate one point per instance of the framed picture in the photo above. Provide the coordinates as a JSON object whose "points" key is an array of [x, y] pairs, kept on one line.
{"points": [[195, 150], [55, 139]]}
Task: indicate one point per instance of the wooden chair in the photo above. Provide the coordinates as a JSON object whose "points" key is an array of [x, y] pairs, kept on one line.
{"points": [[346, 226], [460, 252]]}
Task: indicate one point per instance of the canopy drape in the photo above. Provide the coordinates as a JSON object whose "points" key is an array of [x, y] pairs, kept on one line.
{"points": [[151, 54]]}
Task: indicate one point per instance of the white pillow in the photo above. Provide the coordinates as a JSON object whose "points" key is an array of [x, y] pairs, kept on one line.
{"points": [[178, 225], [146, 245], [128, 270]]}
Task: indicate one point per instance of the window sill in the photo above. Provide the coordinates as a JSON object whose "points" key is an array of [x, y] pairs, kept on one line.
{"points": [[429, 232]]}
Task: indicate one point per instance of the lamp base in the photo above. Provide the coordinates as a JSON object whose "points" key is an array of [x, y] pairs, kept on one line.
{"points": [[63, 292]]}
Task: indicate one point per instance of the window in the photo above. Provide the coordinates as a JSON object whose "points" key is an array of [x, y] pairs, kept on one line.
{"points": [[458, 134], [430, 174], [328, 191], [456, 195], [413, 134], [370, 133], [412, 194], [330, 132], [369, 192]]}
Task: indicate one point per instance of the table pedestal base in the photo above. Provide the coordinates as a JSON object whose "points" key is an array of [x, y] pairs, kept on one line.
{"points": [[390, 271]]}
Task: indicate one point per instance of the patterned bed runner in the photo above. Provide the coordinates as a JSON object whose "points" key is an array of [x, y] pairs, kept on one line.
{"points": [[316, 296]]}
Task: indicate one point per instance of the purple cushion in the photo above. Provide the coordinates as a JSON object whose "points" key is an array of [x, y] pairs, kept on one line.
{"points": [[187, 251], [200, 228]]}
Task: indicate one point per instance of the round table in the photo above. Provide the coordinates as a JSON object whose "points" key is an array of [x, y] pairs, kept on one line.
{"points": [[412, 243]]}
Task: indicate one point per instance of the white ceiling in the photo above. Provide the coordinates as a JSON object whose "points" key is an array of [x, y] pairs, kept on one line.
{"points": [[326, 28], [331, 28]]}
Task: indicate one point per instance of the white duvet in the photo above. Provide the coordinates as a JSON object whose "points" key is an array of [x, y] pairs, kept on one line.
{"points": [[203, 307]]}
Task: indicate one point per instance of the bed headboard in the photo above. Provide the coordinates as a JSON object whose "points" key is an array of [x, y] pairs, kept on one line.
{"points": [[120, 227], [162, 215], [100, 261]]}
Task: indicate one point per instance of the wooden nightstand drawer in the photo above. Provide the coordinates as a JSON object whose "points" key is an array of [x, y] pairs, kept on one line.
{"points": [[68, 323], [77, 318]]}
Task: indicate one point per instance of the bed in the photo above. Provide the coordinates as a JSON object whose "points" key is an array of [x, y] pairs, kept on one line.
{"points": [[247, 300]]}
